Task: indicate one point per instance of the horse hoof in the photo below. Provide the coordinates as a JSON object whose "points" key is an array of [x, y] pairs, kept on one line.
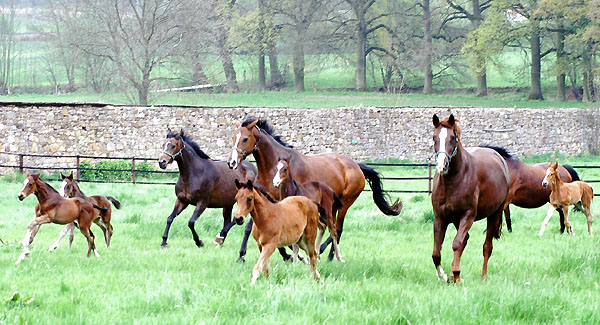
{"points": [[165, 245], [200, 243], [241, 259], [219, 240]]}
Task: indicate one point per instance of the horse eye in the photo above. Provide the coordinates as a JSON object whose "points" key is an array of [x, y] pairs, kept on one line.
{"points": [[30, 185], [245, 140], [249, 200]]}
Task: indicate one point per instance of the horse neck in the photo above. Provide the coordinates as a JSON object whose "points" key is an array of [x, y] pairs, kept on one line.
{"points": [[266, 158], [458, 163], [260, 213], [43, 192], [78, 192], [556, 185], [186, 160], [289, 188]]}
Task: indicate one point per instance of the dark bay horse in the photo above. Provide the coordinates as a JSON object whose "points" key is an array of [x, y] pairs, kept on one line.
{"points": [[69, 188], [316, 191], [52, 207], [469, 185], [202, 182], [526, 190], [346, 177], [292, 221]]}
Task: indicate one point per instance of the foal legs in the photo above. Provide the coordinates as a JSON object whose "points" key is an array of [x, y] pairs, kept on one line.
{"points": [[263, 262], [565, 211], [68, 227], [546, 220], [248, 230], [32, 230], [100, 224], [85, 230]]}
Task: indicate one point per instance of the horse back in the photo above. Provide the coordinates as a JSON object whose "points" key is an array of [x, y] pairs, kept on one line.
{"points": [[342, 174], [69, 209]]}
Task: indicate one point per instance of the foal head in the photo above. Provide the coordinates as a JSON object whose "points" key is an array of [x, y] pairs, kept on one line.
{"points": [[283, 171], [244, 199], [551, 174], [30, 185], [171, 149], [446, 138], [245, 142], [67, 186]]}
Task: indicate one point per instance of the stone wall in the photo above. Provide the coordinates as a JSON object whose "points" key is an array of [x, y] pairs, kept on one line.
{"points": [[359, 132]]}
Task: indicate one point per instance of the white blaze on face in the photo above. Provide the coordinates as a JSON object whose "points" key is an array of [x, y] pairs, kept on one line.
{"points": [[234, 153], [277, 178], [545, 181], [62, 188], [441, 158]]}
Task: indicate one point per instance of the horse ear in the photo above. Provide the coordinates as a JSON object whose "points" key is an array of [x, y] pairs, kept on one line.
{"points": [[550, 164], [451, 119], [555, 165], [237, 184], [249, 184], [181, 133], [251, 125], [436, 120], [70, 176], [62, 176], [36, 176]]}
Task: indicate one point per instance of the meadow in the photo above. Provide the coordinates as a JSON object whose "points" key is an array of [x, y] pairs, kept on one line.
{"points": [[388, 276]]}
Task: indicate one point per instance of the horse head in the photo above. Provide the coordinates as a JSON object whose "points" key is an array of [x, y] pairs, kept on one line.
{"points": [[244, 199], [245, 142], [283, 172], [551, 174], [446, 139], [29, 186], [67, 186], [172, 148]]}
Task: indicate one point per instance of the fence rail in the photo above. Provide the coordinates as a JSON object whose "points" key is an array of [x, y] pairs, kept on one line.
{"points": [[135, 173]]}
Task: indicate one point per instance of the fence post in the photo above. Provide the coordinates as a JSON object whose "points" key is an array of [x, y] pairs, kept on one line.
{"points": [[133, 169], [21, 164], [78, 169], [429, 179]]}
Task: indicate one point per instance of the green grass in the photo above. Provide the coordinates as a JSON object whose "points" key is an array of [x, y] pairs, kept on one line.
{"points": [[388, 276]]}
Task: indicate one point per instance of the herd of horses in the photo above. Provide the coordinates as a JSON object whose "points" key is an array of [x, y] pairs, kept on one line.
{"points": [[294, 198]]}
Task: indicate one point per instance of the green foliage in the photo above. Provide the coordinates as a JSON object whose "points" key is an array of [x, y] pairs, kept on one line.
{"points": [[116, 170], [15, 300]]}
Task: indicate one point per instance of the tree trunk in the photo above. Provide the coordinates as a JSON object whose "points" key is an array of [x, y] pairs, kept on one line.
{"points": [[561, 93], [198, 74], [299, 59], [361, 47], [535, 91], [588, 76], [227, 62], [277, 81], [262, 81], [482, 90], [143, 89], [428, 82]]}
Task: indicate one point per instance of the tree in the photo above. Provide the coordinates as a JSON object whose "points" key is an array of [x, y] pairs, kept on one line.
{"points": [[7, 46]]}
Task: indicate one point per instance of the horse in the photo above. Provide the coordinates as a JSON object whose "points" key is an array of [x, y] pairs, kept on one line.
{"points": [[69, 188], [563, 194], [316, 191], [202, 182], [347, 178], [526, 190], [470, 184], [292, 221], [52, 207]]}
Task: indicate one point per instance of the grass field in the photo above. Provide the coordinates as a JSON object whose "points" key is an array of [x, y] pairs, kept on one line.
{"points": [[388, 276]]}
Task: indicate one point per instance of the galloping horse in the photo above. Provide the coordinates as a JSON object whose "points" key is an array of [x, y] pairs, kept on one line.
{"points": [[70, 188], [293, 221], [564, 194], [342, 174], [316, 191], [526, 190], [202, 182], [52, 207], [469, 185]]}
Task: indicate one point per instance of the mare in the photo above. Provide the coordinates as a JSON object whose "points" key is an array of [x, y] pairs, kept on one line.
{"points": [[70, 188], [346, 177], [470, 184], [292, 221], [52, 207], [317, 192], [202, 182], [564, 194], [526, 190]]}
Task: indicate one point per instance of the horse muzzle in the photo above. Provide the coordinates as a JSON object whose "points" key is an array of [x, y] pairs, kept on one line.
{"points": [[239, 220], [21, 196], [162, 163], [544, 184], [233, 164]]}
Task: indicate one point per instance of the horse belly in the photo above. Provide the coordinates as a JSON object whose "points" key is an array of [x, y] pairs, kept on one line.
{"points": [[65, 213]]}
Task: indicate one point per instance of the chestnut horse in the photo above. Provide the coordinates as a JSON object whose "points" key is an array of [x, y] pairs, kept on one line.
{"points": [[202, 182], [52, 207], [342, 174], [70, 188], [293, 221], [469, 185], [563, 194], [317, 192], [526, 190]]}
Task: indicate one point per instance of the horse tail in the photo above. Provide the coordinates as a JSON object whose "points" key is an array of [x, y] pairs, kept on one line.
{"points": [[337, 203], [103, 210], [379, 195], [114, 201], [322, 214], [572, 172]]}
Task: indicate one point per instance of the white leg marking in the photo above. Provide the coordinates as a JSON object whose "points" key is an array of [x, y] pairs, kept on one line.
{"points": [[63, 233], [277, 178], [441, 159], [440, 274], [96, 253], [545, 222]]}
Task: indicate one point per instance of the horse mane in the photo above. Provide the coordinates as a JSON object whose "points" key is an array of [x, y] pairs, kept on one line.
{"points": [[48, 185], [264, 125], [78, 188], [188, 139], [502, 151]]}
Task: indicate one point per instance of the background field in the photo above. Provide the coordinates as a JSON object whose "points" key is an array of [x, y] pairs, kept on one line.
{"points": [[388, 276]]}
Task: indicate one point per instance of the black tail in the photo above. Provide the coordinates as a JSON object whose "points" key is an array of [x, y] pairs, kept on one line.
{"points": [[337, 203], [573, 173], [114, 201], [379, 194], [322, 214], [99, 208]]}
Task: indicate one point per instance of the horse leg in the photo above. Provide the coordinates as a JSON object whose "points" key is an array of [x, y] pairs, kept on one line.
{"points": [[227, 224], [565, 210], [588, 214], [109, 228], [546, 220], [89, 235], [200, 207], [508, 220], [62, 234], [179, 206], [72, 234], [561, 219], [32, 230], [439, 231], [339, 228], [460, 241], [100, 224], [494, 223], [265, 253], [307, 244]]}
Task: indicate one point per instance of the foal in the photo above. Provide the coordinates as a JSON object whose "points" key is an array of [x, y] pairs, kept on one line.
{"points": [[317, 192], [54, 208], [276, 224], [564, 194], [70, 188]]}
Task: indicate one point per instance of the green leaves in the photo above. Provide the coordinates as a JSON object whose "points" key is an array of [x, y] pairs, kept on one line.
{"points": [[16, 300]]}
